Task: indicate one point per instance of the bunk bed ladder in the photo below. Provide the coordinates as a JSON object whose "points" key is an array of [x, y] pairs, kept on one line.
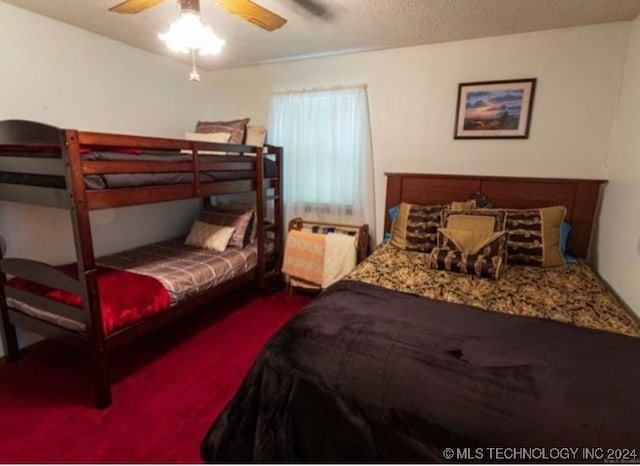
{"points": [[260, 217], [278, 220], [269, 232], [87, 272]]}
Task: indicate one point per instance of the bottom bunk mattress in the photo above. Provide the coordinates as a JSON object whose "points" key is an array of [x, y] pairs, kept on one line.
{"points": [[368, 374], [144, 281]]}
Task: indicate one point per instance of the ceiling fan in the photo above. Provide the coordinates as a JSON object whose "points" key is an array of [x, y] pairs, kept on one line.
{"points": [[244, 9]]}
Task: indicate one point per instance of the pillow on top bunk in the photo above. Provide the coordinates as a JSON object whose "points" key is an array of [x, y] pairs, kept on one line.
{"points": [[235, 129], [256, 135], [207, 137], [208, 236], [241, 221]]}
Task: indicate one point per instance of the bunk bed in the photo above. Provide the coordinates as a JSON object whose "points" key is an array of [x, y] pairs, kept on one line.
{"points": [[85, 171]]}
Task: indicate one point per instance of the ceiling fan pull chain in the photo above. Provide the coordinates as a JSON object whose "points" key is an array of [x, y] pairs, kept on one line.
{"points": [[194, 76]]}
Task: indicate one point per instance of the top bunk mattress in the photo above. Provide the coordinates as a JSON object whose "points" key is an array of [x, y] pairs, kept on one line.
{"points": [[130, 180], [572, 294]]}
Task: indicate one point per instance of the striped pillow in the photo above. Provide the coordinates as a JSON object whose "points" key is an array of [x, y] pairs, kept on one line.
{"points": [[415, 227], [235, 128], [534, 236], [488, 262], [242, 222]]}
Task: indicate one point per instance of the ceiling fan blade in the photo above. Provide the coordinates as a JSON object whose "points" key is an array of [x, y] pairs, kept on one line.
{"points": [[253, 13], [134, 6]]}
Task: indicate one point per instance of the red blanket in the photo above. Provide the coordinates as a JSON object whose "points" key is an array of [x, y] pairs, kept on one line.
{"points": [[125, 297]]}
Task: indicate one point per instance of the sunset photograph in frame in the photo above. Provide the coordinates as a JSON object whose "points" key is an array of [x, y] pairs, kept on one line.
{"points": [[495, 109]]}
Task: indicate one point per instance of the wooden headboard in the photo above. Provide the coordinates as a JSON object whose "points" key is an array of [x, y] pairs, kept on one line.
{"points": [[580, 197]]}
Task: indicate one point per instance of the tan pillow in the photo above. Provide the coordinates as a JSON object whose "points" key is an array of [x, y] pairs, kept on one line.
{"points": [[463, 205], [463, 220], [474, 223], [256, 135], [206, 137], [208, 236], [467, 241], [235, 128]]}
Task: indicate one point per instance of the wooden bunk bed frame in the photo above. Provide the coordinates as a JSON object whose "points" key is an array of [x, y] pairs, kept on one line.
{"points": [[17, 136]]}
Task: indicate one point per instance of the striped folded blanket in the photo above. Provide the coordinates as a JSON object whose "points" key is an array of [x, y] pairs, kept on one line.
{"points": [[304, 256]]}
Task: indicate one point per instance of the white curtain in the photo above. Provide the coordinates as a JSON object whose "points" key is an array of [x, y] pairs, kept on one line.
{"points": [[328, 162]]}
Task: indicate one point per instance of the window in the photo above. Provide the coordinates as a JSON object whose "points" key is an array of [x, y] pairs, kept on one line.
{"points": [[328, 166]]}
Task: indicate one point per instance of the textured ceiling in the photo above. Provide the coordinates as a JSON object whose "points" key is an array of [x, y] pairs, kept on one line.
{"points": [[346, 25]]}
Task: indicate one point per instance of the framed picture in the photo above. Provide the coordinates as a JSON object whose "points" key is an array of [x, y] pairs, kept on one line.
{"points": [[495, 109]]}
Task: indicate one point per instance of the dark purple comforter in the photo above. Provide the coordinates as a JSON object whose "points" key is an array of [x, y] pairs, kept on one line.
{"points": [[367, 374]]}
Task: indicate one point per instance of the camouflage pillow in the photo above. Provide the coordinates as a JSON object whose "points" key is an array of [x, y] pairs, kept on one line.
{"points": [[415, 227], [488, 262], [534, 236]]}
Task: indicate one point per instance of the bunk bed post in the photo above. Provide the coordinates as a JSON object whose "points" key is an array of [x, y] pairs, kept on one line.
{"points": [[86, 266], [278, 219], [260, 208], [7, 330]]}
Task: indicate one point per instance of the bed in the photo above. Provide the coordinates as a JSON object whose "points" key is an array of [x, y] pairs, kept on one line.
{"points": [[98, 305], [398, 362]]}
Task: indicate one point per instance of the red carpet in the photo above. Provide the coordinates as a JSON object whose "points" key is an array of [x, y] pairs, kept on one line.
{"points": [[168, 389]]}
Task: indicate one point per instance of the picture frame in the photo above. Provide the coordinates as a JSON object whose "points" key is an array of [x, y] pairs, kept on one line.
{"points": [[495, 109]]}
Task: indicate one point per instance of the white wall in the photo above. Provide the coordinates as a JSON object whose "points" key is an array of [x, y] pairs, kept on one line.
{"points": [[65, 76], [619, 245], [412, 95]]}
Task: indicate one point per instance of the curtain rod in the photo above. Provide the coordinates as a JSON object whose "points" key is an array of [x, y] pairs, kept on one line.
{"points": [[324, 88]]}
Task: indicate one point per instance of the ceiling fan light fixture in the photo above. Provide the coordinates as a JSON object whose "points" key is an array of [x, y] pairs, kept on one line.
{"points": [[187, 34]]}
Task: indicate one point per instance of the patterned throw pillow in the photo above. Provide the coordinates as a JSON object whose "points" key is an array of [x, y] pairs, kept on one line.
{"points": [[488, 261], [415, 227], [235, 128], [534, 236], [207, 236], [242, 222]]}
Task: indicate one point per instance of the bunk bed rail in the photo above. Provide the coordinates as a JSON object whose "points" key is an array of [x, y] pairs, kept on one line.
{"points": [[35, 149], [43, 274]]}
